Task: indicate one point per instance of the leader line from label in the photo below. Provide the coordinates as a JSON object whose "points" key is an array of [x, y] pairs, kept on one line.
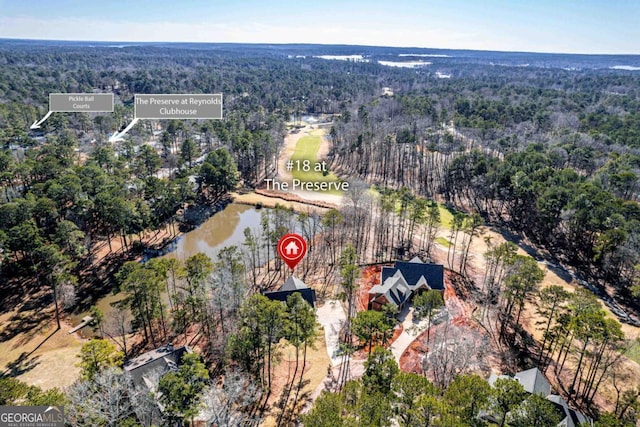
{"points": [[151, 106], [77, 103]]}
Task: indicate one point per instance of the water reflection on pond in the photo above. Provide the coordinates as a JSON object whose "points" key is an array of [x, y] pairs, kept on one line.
{"points": [[225, 228]]}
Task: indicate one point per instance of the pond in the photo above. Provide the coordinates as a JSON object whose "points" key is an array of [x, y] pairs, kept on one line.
{"points": [[225, 228]]}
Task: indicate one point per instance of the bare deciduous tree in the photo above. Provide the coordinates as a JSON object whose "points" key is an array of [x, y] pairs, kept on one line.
{"points": [[66, 293], [452, 353], [108, 399], [117, 325], [229, 405]]}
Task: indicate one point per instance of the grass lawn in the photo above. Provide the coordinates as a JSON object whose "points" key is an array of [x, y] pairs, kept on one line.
{"points": [[33, 351], [314, 374], [446, 216], [307, 149], [634, 352]]}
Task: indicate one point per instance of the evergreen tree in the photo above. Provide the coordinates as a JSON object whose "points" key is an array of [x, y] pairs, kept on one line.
{"points": [[97, 355], [181, 392]]}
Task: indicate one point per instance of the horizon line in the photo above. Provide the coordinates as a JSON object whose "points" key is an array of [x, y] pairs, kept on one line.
{"points": [[133, 42]]}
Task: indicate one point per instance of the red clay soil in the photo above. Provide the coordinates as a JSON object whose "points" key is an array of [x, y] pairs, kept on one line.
{"points": [[397, 331], [456, 303], [370, 278], [461, 315], [411, 359]]}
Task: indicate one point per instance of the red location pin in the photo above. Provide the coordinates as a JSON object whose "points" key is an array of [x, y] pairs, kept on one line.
{"points": [[292, 248]]}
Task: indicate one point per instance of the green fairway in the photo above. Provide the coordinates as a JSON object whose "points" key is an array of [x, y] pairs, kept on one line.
{"points": [[307, 149], [446, 217], [442, 241]]}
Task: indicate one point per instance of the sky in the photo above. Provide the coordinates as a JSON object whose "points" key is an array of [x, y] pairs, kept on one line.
{"points": [[562, 26]]}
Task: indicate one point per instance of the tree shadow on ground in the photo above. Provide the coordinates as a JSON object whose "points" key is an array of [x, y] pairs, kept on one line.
{"points": [[16, 289], [23, 364], [25, 322], [98, 281], [287, 407], [44, 341]]}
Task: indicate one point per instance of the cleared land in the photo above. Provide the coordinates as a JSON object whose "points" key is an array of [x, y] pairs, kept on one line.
{"points": [[530, 319]]}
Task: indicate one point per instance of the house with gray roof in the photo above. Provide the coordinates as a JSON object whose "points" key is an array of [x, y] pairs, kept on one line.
{"points": [[534, 381], [395, 291], [572, 418], [405, 279], [147, 368], [291, 286], [418, 274]]}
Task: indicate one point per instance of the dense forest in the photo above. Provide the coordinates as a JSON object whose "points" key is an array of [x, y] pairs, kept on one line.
{"points": [[548, 152]]}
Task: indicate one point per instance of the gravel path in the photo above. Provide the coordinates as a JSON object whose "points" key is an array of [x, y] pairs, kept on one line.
{"points": [[410, 331], [332, 316]]}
